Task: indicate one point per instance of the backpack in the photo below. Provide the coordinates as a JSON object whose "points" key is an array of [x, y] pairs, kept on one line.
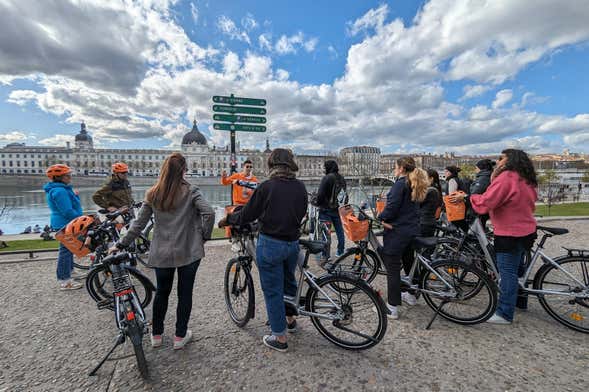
{"points": [[339, 195], [464, 184]]}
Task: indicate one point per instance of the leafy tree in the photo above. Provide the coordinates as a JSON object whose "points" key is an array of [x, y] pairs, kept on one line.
{"points": [[468, 171]]}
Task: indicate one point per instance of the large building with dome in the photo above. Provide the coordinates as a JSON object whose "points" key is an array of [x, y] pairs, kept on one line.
{"points": [[203, 158]]}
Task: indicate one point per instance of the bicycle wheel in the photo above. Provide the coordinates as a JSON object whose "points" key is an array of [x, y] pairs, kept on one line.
{"points": [[469, 298], [99, 286], [572, 307], [364, 264], [239, 292], [355, 318], [135, 334]]}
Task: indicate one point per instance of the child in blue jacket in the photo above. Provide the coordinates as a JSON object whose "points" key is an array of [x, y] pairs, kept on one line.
{"points": [[65, 205]]}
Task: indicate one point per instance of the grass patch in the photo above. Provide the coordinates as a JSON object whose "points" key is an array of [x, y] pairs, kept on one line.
{"points": [[41, 244], [570, 209]]}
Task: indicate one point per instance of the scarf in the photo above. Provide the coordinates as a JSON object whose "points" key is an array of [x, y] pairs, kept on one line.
{"points": [[282, 171]]}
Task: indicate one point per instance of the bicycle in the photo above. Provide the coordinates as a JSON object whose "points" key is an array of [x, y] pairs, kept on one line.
{"points": [[98, 280], [317, 229], [445, 284], [129, 315], [332, 312]]}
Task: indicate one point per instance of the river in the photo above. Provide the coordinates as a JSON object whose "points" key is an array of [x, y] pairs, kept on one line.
{"points": [[26, 205]]}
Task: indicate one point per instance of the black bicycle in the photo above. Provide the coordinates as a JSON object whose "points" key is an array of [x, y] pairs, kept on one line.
{"points": [[129, 315], [345, 317]]}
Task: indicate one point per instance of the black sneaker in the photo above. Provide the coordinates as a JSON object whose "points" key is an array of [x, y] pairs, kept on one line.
{"points": [[292, 327], [272, 342]]}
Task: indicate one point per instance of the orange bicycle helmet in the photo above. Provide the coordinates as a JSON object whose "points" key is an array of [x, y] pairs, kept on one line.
{"points": [[79, 225], [57, 170], [120, 167]]}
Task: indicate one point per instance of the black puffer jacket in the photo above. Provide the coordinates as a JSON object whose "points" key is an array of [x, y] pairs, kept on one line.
{"points": [[329, 187], [428, 207], [481, 182]]}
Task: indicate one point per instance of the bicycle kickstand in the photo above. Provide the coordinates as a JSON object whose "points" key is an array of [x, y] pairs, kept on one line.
{"points": [[436, 314], [120, 340]]}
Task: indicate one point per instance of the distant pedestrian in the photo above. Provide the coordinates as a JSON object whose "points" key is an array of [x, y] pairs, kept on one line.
{"points": [[183, 222], [37, 229], [484, 170], [331, 194], [65, 205], [27, 230], [115, 193]]}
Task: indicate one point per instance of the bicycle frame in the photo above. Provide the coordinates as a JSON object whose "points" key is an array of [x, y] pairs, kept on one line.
{"points": [[478, 230]]}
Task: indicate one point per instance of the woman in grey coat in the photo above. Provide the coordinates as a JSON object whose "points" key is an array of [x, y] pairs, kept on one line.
{"points": [[183, 222]]}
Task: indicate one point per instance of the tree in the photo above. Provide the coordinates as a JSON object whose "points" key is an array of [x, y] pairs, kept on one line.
{"points": [[468, 171], [550, 187]]}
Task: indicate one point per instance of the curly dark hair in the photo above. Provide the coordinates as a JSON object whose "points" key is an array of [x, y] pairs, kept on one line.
{"points": [[520, 162]]}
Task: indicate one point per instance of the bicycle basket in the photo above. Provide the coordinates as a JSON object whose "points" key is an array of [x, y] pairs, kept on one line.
{"points": [[381, 203], [454, 211], [73, 235], [354, 228]]}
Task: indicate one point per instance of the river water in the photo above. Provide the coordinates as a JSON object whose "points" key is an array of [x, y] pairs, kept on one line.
{"points": [[26, 205]]}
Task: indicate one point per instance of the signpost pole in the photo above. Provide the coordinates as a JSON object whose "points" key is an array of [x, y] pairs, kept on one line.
{"points": [[233, 159]]}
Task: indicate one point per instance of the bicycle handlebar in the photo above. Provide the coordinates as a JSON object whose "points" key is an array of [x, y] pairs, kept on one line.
{"points": [[116, 258]]}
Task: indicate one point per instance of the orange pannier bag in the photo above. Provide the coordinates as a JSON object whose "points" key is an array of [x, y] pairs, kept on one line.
{"points": [[381, 203], [73, 235], [454, 211], [354, 228]]}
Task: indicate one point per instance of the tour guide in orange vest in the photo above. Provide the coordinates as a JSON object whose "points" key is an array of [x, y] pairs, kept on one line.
{"points": [[241, 194]]}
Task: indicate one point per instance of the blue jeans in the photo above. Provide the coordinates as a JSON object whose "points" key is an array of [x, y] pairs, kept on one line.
{"points": [[65, 263], [509, 264], [333, 217], [277, 261]]}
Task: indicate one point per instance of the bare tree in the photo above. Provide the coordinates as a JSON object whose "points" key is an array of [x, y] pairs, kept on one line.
{"points": [[550, 184]]}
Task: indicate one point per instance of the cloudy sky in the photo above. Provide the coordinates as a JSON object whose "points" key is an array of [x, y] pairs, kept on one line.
{"points": [[440, 75]]}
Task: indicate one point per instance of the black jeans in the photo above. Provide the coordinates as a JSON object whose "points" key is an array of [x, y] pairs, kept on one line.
{"points": [[165, 279], [392, 264]]}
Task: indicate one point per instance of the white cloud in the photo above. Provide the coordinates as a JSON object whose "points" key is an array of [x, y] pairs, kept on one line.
{"points": [[332, 52], [229, 28], [290, 44], [373, 19], [391, 89], [501, 98], [248, 22], [194, 12], [471, 91], [11, 137], [58, 140]]}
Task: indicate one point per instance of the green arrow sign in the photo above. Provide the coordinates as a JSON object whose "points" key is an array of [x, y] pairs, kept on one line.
{"points": [[238, 109], [238, 118], [239, 101], [239, 127]]}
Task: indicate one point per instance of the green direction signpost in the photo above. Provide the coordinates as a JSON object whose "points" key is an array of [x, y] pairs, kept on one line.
{"points": [[253, 106], [238, 109], [239, 101], [239, 118], [239, 127]]}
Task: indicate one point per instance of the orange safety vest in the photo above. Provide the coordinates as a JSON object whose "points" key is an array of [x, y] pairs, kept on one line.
{"points": [[241, 194]]}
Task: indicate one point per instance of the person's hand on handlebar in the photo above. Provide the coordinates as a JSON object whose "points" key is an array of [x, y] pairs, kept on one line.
{"points": [[223, 222], [111, 209], [115, 248], [387, 226]]}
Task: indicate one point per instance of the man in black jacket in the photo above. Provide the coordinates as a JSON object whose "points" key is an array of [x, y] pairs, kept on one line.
{"points": [[279, 204], [332, 192]]}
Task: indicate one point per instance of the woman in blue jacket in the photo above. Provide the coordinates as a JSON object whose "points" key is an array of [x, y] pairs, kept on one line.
{"points": [[401, 218], [65, 205]]}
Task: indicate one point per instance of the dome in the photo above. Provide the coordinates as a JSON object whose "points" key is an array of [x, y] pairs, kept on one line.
{"points": [[83, 136], [194, 136]]}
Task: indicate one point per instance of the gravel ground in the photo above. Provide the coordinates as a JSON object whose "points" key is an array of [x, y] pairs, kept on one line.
{"points": [[50, 340]]}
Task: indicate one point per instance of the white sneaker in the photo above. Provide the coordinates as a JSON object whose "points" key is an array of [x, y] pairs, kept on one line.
{"points": [[179, 343], [78, 275], [156, 341], [408, 298], [393, 312], [70, 285], [496, 319]]}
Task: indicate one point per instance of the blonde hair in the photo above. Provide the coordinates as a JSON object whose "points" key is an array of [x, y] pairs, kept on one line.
{"points": [[417, 178], [419, 182]]}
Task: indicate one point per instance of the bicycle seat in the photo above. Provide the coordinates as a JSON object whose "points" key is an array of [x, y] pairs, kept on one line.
{"points": [[447, 229], [424, 242], [552, 230], [313, 246]]}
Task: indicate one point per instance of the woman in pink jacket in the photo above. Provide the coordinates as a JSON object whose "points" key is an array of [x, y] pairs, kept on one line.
{"points": [[510, 201]]}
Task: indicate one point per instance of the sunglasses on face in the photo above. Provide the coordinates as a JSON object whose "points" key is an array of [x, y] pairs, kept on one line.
{"points": [[248, 167]]}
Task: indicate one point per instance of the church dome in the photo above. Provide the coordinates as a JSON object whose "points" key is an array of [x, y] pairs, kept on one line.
{"points": [[83, 136], [194, 136]]}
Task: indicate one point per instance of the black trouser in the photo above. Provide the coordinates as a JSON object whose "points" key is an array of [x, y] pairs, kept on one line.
{"points": [[165, 279], [392, 264]]}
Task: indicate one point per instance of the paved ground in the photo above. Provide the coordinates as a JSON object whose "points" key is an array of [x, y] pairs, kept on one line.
{"points": [[49, 340]]}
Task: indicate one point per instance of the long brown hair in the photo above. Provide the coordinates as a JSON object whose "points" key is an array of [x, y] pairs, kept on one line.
{"points": [[417, 178], [170, 185]]}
